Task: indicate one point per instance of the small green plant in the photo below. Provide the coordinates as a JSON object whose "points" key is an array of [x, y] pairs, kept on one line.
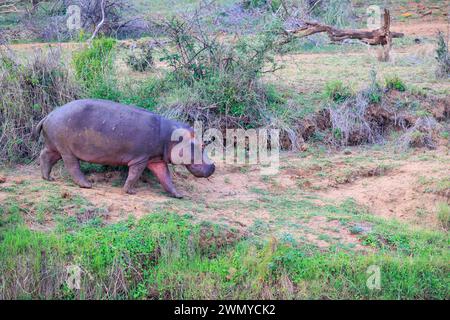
{"points": [[375, 97], [337, 91], [374, 91], [395, 83], [423, 113]]}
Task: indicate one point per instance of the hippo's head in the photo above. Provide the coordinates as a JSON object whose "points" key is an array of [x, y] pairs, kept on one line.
{"points": [[187, 151]]}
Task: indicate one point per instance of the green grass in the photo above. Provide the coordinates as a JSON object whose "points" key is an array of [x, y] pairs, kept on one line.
{"points": [[169, 256], [443, 212]]}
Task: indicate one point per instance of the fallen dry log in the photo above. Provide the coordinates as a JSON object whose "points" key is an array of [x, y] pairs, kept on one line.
{"points": [[382, 36]]}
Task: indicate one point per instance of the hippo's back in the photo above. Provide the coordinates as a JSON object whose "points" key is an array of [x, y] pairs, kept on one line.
{"points": [[102, 131], [91, 109]]}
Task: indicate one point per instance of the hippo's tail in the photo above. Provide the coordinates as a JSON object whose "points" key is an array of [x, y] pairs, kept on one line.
{"points": [[37, 130]]}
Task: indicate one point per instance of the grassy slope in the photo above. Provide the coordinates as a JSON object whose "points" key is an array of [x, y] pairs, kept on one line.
{"points": [[164, 256], [171, 253]]}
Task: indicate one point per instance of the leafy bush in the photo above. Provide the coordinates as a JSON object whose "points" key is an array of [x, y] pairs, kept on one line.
{"points": [[337, 91], [29, 91], [94, 68], [221, 78], [374, 92], [395, 83], [142, 93]]}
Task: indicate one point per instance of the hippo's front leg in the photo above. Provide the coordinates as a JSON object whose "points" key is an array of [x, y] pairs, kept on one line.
{"points": [[162, 173]]}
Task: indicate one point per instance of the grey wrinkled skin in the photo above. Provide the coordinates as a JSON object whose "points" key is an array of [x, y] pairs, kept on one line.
{"points": [[109, 133]]}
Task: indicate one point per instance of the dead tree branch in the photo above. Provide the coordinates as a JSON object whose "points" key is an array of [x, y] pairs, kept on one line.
{"points": [[382, 36], [97, 28]]}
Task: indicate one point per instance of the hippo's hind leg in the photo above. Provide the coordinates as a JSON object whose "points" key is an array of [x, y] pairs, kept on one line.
{"points": [[47, 160], [134, 172], [162, 173], [72, 165]]}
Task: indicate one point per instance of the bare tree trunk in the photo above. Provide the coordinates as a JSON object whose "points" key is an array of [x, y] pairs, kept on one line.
{"points": [[388, 34]]}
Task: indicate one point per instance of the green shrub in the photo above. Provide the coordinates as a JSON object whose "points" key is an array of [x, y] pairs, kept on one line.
{"points": [[337, 91], [395, 83], [94, 68], [144, 93], [224, 79], [374, 91]]}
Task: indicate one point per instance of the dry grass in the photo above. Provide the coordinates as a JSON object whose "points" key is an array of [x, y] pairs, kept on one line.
{"points": [[424, 133], [29, 91]]}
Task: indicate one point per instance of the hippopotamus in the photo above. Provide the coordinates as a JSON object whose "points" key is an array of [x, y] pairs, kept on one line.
{"points": [[109, 133]]}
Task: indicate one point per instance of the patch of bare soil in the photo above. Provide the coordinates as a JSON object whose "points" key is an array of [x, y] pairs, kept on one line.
{"points": [[228, 183], [102, 195], [399, 194], [324, 232]]}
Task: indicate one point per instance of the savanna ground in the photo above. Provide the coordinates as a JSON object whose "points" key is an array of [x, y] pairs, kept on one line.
{"points": [[310, 231]]}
